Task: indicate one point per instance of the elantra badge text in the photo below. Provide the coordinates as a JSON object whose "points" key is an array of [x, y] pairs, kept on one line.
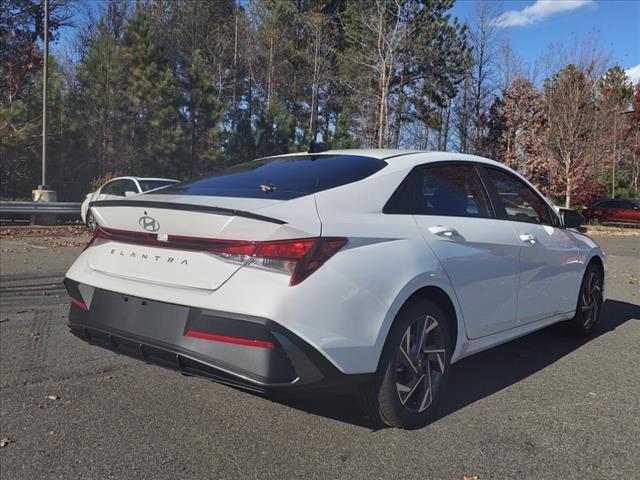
{"points": [[147, 256]]}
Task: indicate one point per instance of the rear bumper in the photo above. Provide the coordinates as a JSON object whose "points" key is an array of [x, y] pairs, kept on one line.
{"points": [[252, 353]]}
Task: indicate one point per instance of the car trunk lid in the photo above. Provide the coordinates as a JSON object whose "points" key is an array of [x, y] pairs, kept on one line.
{"points": [[178, 240]]}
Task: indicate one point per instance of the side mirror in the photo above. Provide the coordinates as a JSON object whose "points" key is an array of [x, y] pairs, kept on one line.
{"points": [[571, 218], [129, 193]]}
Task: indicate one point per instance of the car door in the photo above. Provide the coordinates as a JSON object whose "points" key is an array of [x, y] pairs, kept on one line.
{"points": [[478, 252], [613, 211], [550, 263], [630, 212], [626, 211]]}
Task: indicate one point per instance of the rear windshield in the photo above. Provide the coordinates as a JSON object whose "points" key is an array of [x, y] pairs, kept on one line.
{"points": [[147, 185], [282, 178]]}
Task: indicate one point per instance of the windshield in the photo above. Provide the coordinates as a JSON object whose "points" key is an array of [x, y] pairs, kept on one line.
{"points": [[147, 185], [282, 178]]}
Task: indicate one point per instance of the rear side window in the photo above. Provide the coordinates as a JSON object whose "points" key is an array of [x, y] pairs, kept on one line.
{"points": [[451, 190], [282, 178], [114, 188], [520, 202]]}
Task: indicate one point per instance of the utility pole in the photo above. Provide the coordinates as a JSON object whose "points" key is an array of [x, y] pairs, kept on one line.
{"points": [[615, 141], [45, 80], [43, 193]]}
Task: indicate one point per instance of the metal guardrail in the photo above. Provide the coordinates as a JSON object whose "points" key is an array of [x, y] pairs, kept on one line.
{"points": [[30, 208]]}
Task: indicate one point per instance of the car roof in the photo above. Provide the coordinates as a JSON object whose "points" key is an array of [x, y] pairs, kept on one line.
{"points": [[401, 158], [404, 160], [381, 153], [145, 178]]}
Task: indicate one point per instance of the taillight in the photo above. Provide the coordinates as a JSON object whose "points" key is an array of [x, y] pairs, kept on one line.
{"points": [[298, 258], [97, 234], [323, 250]]}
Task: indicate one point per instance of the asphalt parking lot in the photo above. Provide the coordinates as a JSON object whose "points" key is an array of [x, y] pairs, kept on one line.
{"points": [[546, 406]]}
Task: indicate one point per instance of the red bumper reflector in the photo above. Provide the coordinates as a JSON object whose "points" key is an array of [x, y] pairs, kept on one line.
{"points": [[222, 338], [80, 304]]}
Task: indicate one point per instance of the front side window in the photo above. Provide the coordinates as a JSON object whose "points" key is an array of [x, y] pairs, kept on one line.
{"points": [[129, 186], [628, 205], [520, 202], [605, 204], [451, 190]]}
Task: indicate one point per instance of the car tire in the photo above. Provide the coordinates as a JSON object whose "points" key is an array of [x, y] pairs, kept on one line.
{"points": [[594, 221], [91, 221], [408, 386], [589, 303]]}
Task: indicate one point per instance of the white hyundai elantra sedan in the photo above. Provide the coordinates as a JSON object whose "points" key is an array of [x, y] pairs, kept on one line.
{"points": [[119, 187], [363, 271]]}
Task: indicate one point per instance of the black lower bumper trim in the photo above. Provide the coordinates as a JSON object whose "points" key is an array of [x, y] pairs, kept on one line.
{"points": [[154, 332], [163, 357]]}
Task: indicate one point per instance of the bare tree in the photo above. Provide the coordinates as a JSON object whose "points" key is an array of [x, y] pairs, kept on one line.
{"points": [[322, 64], [484, 74], [379, 35], [571, 115], [510, 66]]}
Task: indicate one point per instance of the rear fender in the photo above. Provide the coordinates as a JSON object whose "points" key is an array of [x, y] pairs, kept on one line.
{"points": [[438, 280]]}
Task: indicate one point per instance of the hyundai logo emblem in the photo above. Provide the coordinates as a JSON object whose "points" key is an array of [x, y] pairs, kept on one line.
{"points": [[150, 224]]}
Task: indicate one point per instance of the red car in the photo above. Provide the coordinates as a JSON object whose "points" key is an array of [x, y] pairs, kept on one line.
{"points": [[614, 211]]}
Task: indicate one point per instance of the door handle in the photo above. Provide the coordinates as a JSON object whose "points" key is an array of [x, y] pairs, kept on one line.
{"points": [[443, 231], [528, 238]]}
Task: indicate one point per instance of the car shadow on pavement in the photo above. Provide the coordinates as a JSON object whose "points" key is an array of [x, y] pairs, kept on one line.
{"points": [[488, 372]]}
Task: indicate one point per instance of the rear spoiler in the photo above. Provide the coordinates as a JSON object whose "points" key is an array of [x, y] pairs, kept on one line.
{"points": [[188, 207]]}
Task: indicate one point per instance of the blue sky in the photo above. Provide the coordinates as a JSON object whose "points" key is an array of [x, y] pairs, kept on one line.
{"points": [[532, 26]]}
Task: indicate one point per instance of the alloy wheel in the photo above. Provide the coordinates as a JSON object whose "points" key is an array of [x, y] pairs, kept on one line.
{"points": [[91, 222], [591, 299], [420, 364]]}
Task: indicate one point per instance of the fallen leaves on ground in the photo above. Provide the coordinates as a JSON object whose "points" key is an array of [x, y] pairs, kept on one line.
{"points": [[34, 334], [62, 231], [53, 397], [612, 231], [471, 477], [59, 236]]}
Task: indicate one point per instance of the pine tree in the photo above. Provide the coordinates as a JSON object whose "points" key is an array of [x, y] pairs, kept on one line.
{"points": [[99, 104], [203, 116], [342, 137], [153, 121], [275, 130], [242, 145], [21, 140]]}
